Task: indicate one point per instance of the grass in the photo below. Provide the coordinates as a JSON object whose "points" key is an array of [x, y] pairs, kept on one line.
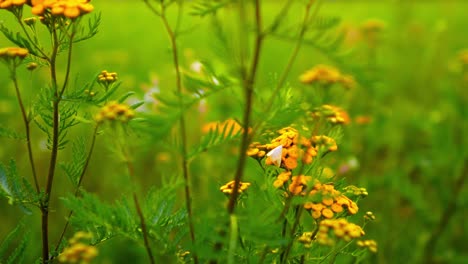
{"points": [[410, 156]]}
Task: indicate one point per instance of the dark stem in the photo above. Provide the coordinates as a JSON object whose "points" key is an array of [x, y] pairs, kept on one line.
{"points": [[28, 130], [248, 83], [54, 151], [284, 256]]}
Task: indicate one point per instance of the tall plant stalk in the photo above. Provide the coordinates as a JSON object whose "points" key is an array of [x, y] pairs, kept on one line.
{"points": [[182, 124]]}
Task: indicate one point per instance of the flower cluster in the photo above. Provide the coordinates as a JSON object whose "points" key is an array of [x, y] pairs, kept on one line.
{"points": [[114, 111], [67, 8], [369, 244], [13, 52], [339, 228], [327, 75], [229, 187], [106, 77], [331, 202], [353, 190], [78, 251], [7, 4], [324, 143], [463, 57], [372, 26], [306, 239], [332, 114], [293, 147]]}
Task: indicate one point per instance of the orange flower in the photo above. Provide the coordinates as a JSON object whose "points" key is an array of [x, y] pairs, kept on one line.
{"points": [[7, 4], [229, 187], [67, 8]]}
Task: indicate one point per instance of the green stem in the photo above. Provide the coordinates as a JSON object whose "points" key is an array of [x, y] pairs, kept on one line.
{"points": [[291, 60], [144, 230], [182, 124], [27, 128], [80, 179]]}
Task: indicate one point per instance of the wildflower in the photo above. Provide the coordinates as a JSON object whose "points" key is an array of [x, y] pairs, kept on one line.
{"points": [[229, 187], [67, 8], [13, 52], [107, 78], [331, 229], [8, 4], [306, 239], [227, 127], [322, 74], [299, 184], [115, 111], [353, 190], [326, 201], [324, 142], [31, 21], [13, 55], [369, 244], [369, 216], [282, 178], [332, 114], [78, 251], [31, 66]]}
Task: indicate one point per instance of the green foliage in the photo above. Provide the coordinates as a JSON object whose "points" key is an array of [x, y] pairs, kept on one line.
{"points": [[11, 251], [17, 189], [74, 168]]}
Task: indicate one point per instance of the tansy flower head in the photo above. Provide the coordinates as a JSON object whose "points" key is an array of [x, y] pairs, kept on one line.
{"points": [[299, 184], [324, 142], [369, 216], [106, 77], [13, 55], [9, 4], [321, 74], [332, 114], [13, 52], [356, 191], [114, 111], [331, 229], [67, 8], [326, 201], [306, 239], [79, 250], [229, 187], [369, 244]]}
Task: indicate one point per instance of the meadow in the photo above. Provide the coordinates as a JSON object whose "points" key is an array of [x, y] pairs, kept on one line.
{"points": [[402, 139]]}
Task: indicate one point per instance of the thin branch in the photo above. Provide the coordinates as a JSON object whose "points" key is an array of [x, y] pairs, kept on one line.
{"points": [[80, 179], [182, 124], [248, 83], [27, 128]]}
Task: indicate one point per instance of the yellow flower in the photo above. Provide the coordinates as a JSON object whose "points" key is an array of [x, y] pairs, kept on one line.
{"points": [[332, 114], [299, 184], [115, 111], [13, 52], [67, 8], [330, 201], [322, 74], [324, 142], [337, 228], [77, 251], [369, 244], [107, 77], [7, 4], [229, 187]]}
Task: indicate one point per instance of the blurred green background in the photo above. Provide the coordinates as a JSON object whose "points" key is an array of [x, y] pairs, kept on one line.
{"points": [[412, 157]]}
